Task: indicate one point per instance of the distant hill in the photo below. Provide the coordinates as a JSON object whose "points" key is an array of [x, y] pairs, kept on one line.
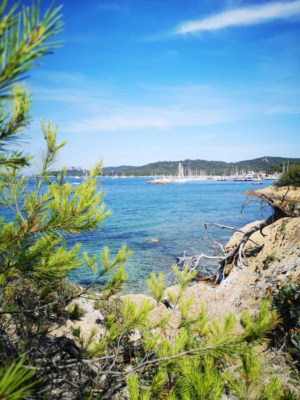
{"points": [[210, 167], [78, 171], [74, 171], [116, 169], [198, 167]]}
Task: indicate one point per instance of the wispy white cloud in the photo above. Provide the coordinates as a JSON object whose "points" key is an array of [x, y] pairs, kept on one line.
{"points": [[86, 106], [173, 107], [128, 118], [242, 16]]}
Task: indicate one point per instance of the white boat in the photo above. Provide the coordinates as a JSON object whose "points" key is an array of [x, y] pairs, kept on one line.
{"points": [[180, 180], [250, 176]]}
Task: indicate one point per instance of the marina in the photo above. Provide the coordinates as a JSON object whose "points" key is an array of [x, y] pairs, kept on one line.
{"points": [[187, 174]]}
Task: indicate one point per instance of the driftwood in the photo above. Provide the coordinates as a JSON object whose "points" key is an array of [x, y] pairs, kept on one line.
{"points": [[281, 208]]}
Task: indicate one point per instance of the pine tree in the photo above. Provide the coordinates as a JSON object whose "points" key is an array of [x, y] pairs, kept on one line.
{"points": [[34, 257], [24, 38]]}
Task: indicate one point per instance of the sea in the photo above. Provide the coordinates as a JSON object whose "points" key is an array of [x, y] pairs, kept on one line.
{"points": [[173, 214]]}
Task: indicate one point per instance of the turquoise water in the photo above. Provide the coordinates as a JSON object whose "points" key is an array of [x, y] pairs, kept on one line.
{"points": [[170, 213]]}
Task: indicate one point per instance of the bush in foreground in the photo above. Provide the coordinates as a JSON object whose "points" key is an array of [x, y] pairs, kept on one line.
{"points": [[286, 301], [290, 178]]}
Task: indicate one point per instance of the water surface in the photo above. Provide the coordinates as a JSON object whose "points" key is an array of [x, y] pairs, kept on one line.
{"points": [[173, 214]]}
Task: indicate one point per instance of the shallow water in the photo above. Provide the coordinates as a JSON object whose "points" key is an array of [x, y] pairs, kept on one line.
{"points": [[173, 214], [170, 213]]}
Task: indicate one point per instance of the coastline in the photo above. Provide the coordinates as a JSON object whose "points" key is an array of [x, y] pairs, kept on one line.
{"points": [[242, 290]]}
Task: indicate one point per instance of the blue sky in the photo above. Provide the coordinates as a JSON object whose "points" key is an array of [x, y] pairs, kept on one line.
{"points": [[140, 81]]}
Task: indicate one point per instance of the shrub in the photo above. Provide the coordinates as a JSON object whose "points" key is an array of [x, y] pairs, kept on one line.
{"points": [[282, 229], [14, 382], [286, 301], [290, 177], [269, 259], [75, 312]]}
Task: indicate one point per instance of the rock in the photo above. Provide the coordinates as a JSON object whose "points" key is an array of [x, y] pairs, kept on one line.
{"points": [[290, 194], [91, 319], [241, 291]]}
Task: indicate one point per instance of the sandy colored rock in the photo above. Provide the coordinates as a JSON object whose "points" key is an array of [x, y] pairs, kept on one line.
{"points": [[153, 240], [290, 193], [91, 319], [243, 289]]}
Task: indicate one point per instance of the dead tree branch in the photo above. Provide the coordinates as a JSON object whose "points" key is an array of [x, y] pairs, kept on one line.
{"points": [[281, 208]]}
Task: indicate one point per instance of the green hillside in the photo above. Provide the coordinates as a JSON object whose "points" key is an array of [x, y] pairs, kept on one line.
{"points": [[270, 165], [210, 167], [73, 171], [109, 170]]}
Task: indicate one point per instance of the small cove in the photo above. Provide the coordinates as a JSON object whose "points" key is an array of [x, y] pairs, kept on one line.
{"points": [[170, 213]]}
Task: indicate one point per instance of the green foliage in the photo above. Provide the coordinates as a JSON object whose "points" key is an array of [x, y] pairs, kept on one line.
{"points": [[265, 322], [34, 245], [179, 376], [75, 312], [198, 379], [184, 278], [278, 168], [210, 167], [34, 256], [116, 283], [84, 341], [290, 178], [133, 387], [14, 382], [190, 321], [14, 118], [269, 259], [249, 384], [109, 306], [134, 316], [157, 286], [286, 301], [282, 229], [134, 391], [24, 38]]}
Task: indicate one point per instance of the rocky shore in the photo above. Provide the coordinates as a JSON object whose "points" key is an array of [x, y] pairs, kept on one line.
{"points": [[290, 193], [271, 258]]}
